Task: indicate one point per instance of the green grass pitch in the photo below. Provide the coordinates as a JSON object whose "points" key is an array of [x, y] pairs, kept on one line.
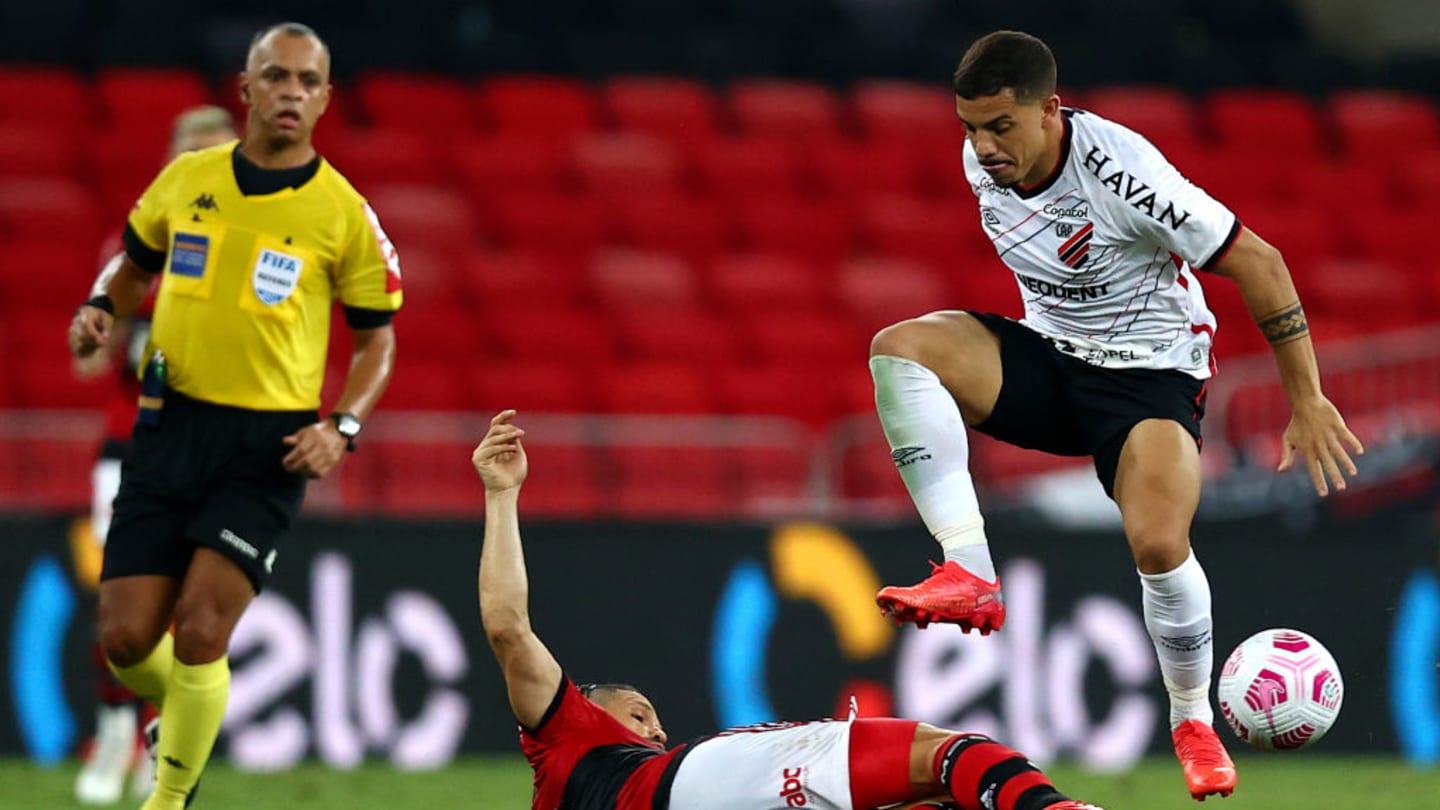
{"points": [[1295, 782]]}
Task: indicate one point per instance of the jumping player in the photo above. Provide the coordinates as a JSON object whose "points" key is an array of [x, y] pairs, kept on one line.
{"points": [[1104, 237], [602, 747]]}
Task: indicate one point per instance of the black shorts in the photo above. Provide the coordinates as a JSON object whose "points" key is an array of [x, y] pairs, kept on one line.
{"points": [[207, 475], [1060, 404]]}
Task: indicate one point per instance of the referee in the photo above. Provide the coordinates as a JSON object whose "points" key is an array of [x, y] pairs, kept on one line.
{"points": [[254, 240]]}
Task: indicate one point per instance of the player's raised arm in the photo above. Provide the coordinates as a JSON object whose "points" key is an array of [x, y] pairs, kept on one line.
{"points": [[1316, 427], [532, 676]]}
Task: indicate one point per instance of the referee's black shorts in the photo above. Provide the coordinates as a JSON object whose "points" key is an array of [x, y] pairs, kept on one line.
{"points": [[1059, 404], [206, 475]]}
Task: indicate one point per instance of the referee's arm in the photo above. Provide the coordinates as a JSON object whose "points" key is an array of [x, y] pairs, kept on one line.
{"points": [[371, 365]]}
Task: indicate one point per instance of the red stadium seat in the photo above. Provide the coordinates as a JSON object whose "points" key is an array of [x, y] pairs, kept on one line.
{"points": [[570, 486], [67, 100], [940, 232], [372, 157], [1371, 123], [670, 482], [547, 333], [850, 168], [424, 384], [767, 283], [1388, 236], [537, 385], [679, 110], [426, 104], [791, 109], [36, 150], [424, 215], [676, 335], [807, 338], [46, 208], [904, 111], [878, 292], [1418, 187], [1266, 124], [798, 391], [1165, 116], [524, 278], [37, 362], [631, 278], [124, 162], [47, 274], [1339, 289], [560, 224], [1319, 184], [432, 331], [653, 388], [742, 169], [537, 106], [696, 228], [1237, 179], [148, 99], [430, 275], [492, 166], [1304, 234], [814, 230], [425, 479], [620, 165], [773, 481]]}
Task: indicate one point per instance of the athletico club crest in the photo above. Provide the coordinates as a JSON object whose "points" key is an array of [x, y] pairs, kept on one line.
{"points": [[1075, 250]]}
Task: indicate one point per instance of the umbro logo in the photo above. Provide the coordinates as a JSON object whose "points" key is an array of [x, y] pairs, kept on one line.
{"points": [[205, 202], [905, 456], [1187, 643], [175, 763]]}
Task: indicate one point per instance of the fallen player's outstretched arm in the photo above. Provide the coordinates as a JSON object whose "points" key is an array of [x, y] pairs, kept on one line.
{"points": [[532, 675]]}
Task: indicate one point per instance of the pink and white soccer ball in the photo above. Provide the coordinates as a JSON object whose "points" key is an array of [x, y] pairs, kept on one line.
{"points": [[1280, 690]]}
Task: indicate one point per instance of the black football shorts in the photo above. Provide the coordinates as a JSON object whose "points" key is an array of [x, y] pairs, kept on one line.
{"points": [[206, 475], [1059, 404]]}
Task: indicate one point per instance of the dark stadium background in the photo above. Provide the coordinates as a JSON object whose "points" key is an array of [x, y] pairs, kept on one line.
{"points": [[665, 231]]}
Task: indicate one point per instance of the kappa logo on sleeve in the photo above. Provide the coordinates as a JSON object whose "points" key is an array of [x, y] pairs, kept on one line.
{"points": [[189, 254], [276, 276]]}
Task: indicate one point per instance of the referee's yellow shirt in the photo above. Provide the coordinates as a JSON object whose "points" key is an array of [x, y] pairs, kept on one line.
{"points": [[243, 310]]}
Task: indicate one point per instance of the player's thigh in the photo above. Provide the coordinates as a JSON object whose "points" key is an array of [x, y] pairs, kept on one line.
{"points": [[962, 352], [1157, 487], [214, 595], [133, 613], [770, 767]]}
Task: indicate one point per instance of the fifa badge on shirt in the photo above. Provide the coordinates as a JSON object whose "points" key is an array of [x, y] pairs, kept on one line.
{"points": [[276, 276]]}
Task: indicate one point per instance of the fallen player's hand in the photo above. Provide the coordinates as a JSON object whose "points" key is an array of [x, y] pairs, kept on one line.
{"points": [[500, 459], [1318, 432]]}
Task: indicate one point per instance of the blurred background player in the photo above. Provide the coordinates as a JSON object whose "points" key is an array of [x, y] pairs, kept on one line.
{"points": [[102, 779], [256, 240], [603, 746], [1103, 236]]}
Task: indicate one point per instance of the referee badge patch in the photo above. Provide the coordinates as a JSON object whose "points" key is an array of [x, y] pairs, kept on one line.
{"points": [[276, 276], [188, 256]]}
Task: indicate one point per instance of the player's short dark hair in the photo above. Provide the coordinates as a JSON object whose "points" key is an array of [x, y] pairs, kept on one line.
{"points": [[1004, 59], [601, 692]]}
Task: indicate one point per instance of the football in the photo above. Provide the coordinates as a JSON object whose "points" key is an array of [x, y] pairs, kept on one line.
{"points": [[1280, 690]]}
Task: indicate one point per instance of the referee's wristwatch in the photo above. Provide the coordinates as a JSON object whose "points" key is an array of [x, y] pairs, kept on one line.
{"points": [[348, 426]]}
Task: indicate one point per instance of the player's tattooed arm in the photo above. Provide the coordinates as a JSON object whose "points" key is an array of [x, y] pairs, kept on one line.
{"points": [[1284, 324]]}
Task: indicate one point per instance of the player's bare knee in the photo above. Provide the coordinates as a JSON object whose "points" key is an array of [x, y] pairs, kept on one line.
{"points": [[1156, 552], [923, 753], [126, 644], [202, 631]]}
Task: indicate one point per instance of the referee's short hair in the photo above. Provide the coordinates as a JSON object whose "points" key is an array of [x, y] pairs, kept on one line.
{"points": [[1004, 59], [291, 29], [602, 692]]}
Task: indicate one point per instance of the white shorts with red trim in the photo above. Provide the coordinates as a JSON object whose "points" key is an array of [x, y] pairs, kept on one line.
{"points": [[772, 766]]}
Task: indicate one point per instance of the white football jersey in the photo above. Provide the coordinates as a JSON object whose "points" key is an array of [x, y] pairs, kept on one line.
{"points": [[1103, 249]]}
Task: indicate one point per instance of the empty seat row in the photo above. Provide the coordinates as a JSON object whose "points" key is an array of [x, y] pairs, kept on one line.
{"points": [[1362, 123]]}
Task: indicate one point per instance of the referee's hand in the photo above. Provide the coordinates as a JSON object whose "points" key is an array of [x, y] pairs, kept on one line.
{"points": [[89, 330], [315, 450]]}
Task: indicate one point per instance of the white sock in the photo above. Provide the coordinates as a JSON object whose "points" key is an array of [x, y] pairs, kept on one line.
{"points": [[928, 443], [1177, 614]]}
